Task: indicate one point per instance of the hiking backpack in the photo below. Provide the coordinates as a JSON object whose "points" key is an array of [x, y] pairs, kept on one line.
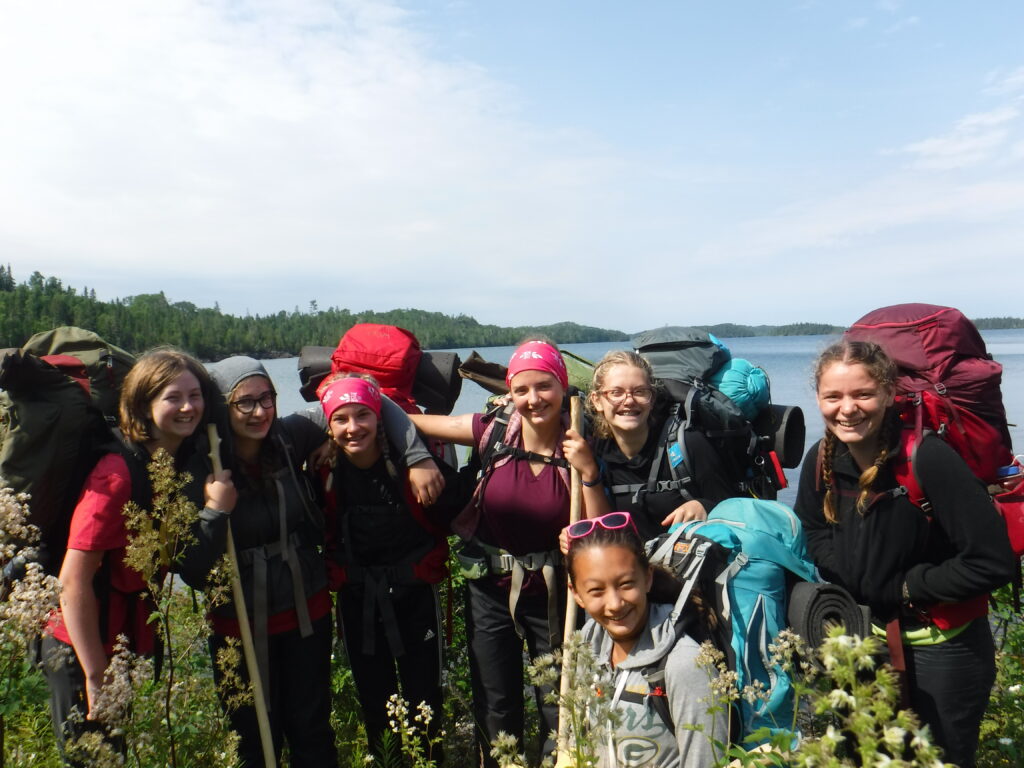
{"points": [[58, 417], [948, 384], [392, 355], [947, 381], [742, 561], [729, 401]]}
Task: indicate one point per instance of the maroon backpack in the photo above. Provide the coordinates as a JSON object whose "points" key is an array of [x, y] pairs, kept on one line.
{"points": [[947, 382]]}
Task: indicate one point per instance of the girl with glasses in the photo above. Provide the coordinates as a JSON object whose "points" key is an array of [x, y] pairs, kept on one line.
{"points": [[512, 526], [628, 421], [630, 628], [278, 531]]}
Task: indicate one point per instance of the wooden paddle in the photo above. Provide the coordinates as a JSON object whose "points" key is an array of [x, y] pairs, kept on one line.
{"points": [[563, 759], [248, 648]]}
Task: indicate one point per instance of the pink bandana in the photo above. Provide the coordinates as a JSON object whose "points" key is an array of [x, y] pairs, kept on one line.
{"points": [[347, 391], [537, 356]]}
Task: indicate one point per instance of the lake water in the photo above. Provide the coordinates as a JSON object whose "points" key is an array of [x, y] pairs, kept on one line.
{"points": [[787, 359]]}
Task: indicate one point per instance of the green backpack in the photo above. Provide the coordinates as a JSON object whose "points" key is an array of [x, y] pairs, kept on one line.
{"points": [[58, 417]]}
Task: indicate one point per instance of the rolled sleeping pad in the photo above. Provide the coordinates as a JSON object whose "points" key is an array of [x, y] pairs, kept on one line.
{"points": [[438, 383], [815, 607], [314, 364], [784, 426]]}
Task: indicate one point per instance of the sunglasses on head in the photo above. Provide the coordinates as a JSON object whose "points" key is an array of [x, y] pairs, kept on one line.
{"points": [[610, 522]]}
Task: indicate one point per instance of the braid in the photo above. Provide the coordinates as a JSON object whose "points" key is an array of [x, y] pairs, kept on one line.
{"points": [[826, 477], [882, 370], [385, 450], [869, 475]]}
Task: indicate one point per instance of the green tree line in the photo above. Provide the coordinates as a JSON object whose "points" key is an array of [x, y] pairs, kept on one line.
{"points": [[140, 322]]}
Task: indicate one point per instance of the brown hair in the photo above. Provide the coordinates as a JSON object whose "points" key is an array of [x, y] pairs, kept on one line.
{"points": [[147, 379], [882, 371], [605, 364]]}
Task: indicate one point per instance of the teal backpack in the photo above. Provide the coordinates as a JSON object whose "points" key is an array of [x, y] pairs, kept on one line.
{"points": [[742, 560]]}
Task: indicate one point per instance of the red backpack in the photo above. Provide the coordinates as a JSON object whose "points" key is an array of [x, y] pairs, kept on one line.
{"points": [[947, 383], [389, 353]]}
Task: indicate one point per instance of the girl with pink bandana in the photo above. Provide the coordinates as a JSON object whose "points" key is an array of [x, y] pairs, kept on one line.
{"points": [[385, 556], [518, 510]]}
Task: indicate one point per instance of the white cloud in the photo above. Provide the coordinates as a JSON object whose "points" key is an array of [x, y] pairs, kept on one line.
{"points": [[1008, 83], [974, 139], [214, 138]]}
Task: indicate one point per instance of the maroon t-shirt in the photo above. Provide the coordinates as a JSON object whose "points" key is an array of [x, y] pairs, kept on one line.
{"points": [[522, 512]]}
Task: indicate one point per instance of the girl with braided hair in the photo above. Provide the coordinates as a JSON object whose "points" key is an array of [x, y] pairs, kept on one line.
{"points": [[386, 554], [864, 533]]}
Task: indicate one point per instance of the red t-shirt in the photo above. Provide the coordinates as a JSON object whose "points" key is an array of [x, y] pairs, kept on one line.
{"points": [[98, 525]]}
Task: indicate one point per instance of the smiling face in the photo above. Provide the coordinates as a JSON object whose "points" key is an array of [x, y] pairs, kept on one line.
{"points": [[615, 401], [853, 405], [176, 412], [538, 397], [611, 585], [354, 430], [255, 425]]}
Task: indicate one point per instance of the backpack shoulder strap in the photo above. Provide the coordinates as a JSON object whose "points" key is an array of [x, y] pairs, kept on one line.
{"points": [[494, 434], [905, 469], [493, 446]]}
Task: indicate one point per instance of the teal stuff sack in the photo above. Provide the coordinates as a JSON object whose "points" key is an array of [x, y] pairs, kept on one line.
{"points": [[743, 383]]}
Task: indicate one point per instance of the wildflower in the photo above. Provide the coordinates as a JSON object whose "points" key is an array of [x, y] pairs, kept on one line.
{"points": [[841, 698], [893, 736], [1005, 741], [1014, 689], [709, 656]]}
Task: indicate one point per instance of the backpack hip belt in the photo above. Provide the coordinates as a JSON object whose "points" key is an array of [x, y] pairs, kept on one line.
{"points": [[494, 561], [286, 548]]}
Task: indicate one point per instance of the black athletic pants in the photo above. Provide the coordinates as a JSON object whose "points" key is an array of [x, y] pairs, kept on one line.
{"points": [[950, 687], [299, 696], [68, 707], [496, 662], [418, 616]]}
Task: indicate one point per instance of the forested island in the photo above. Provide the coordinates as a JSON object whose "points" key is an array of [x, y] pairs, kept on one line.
{"points": [[140, 322]]}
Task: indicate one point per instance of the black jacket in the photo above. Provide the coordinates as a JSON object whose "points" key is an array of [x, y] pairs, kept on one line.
{"points": [[960, 552], [711, 482]]}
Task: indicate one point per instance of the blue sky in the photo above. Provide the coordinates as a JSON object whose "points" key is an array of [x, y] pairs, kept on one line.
{"points": [[617, 164]]}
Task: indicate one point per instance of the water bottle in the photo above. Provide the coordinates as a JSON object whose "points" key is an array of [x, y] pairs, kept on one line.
{"points": [[1009, 477]]}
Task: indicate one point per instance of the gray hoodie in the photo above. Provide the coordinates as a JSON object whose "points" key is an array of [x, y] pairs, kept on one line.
{"points": [[643, 738]]}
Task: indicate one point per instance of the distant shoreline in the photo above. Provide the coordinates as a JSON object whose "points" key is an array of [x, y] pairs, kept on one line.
{"points": [[138, 323]]}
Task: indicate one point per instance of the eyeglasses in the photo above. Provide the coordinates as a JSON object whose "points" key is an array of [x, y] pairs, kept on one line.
{"points": [[642, 395], [610, 522], [247, 405]]}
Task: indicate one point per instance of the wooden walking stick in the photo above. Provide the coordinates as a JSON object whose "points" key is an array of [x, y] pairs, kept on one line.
{"points": [[563, 759], [248, 648]]}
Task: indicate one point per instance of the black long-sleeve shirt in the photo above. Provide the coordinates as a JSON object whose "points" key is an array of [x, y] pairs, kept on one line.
{"points": [[960, 552]]}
